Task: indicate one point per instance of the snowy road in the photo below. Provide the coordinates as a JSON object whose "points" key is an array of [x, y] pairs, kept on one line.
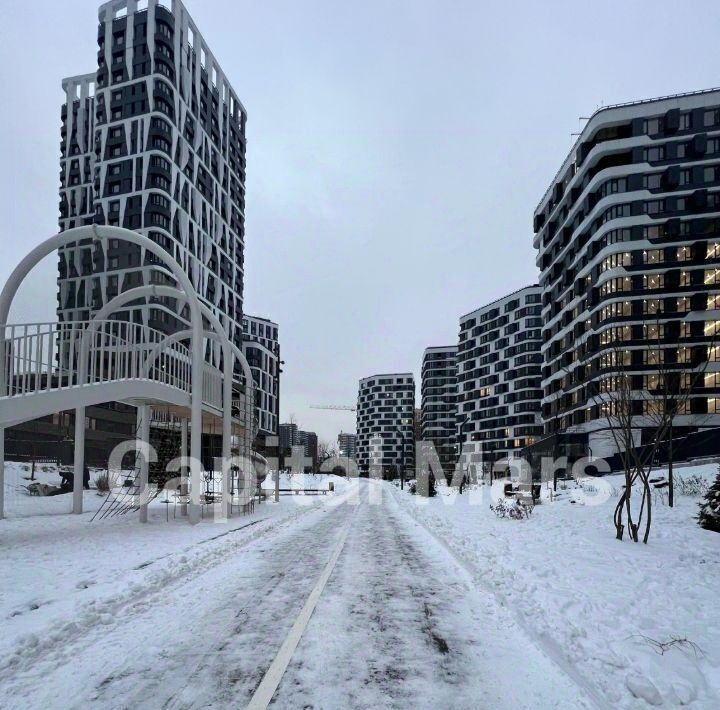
{"points": [[398, 625]]}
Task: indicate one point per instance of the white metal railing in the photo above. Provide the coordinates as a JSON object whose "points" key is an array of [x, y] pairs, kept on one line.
{"points": [[47, 357], [44, 357]]}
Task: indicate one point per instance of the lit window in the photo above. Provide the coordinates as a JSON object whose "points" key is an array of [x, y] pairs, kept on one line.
{"points": [[712, 276]]}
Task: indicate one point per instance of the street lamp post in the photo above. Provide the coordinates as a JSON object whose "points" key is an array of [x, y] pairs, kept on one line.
{"points": [[277, 427], [402, 459], [461, 428]]}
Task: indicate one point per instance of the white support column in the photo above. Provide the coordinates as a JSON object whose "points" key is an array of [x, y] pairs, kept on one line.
{"points": [[196, 392], [184, 470], [2, 472], [143, 415], [227, 428], [79, 460]]}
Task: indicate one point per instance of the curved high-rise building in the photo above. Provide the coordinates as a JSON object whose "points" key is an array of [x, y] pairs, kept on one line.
{"points": [[385, 411], [628, 240]]}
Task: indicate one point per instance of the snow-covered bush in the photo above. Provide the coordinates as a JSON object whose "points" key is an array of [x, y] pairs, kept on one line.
{"points": [[513, 509], [709, 516], [694, 485]]}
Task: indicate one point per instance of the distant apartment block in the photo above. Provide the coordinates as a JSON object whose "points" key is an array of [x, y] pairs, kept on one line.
{"points": [[309, 441], [438, 403], [498, 373], [347, 445], [288, 436], [262, 350], [385, 410]]}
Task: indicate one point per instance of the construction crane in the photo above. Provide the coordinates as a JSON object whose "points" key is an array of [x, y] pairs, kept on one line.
{"points": [[340, 407]]}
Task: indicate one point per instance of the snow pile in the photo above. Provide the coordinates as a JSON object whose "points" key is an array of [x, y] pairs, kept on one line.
{"points": [[635, 621], [19, 503]]}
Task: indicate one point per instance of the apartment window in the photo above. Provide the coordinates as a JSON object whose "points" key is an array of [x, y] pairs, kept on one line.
{"points": [[684, 178], [685, 278], [654, 207], [653, 356], [655, 154], [114, 170], [653, 181], [113, 262], [158, 161], [711, 118], [685, 121], [683, 304], [709, 174], [653, 382], [652, 282], [711, 328], [712, 276], [655, 331], [615, 310], [713, 302], [615, 260], [615, 285], [684, 253], [159, 200], [653, 256], [680, 150], [652, 126], [713, 250], [713, 405]]}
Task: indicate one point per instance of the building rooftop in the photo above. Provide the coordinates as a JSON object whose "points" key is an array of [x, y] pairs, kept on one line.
{"points": [[497, 300], [610, 107]]}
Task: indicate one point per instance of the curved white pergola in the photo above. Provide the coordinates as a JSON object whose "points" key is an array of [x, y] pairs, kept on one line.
{"points": [[217, 333], [103, 233]]}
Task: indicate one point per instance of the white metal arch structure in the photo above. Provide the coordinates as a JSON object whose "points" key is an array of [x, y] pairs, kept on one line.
{"points": [[103, 233], [218, 333]]}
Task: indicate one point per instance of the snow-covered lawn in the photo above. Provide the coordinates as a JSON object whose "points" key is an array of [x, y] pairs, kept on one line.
{"points": [[62, 573], [595, 604]]}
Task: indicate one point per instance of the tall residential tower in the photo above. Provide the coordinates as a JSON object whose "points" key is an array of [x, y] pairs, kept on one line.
{"points": [[385, 411], [628, 240], [154, 141], [439, 394], [498, 364]]}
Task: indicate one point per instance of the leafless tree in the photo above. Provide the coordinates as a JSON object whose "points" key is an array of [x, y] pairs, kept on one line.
{"points": [[669, 389], [651, 401], [326, 450]]}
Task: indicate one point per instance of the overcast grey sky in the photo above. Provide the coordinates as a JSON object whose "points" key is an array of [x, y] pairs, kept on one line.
{"points": [[396, 151]]}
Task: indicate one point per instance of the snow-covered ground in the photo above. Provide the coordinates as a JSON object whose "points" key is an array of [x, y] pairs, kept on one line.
{"points": [[596, 604], [117, 614], [63, 574], [430, 604]]}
